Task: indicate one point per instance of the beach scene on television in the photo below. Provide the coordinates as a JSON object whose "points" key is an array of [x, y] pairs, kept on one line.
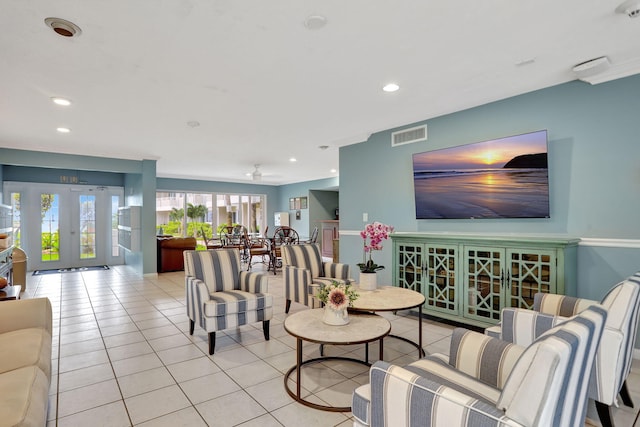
{"points": [[501, 178]]}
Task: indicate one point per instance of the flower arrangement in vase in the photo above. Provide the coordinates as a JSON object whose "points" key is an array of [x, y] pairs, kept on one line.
{"points": [[372, 235], [337, 297]]}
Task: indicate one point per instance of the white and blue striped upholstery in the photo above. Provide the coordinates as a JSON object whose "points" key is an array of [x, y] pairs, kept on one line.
{"points": [[484, 358], [613, 360], [304, 272], [523, 326], [220, 295], [546, 386]]}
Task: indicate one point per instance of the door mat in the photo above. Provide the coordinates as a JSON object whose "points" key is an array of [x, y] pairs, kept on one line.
{"points": [[70, 270]]}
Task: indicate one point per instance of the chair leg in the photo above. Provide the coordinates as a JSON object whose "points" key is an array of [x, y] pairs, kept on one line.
{"points": [[604, 413], [287, 306], [212, 342], [624, 394], [192, 324], [265, 329]]}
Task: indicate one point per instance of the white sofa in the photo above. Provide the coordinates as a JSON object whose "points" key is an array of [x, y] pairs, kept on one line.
{"points": [[25, 361]]}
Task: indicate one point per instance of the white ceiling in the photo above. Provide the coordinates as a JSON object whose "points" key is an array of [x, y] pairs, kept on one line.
{"points": [[265, 88]]}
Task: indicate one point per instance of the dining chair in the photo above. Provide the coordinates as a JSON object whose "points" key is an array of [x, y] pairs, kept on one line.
{"points": [[209, 242], [282, 236], [314, 236], [256, 247]]}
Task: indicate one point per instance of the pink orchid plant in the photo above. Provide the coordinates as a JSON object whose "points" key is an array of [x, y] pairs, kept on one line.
{"points": [[373, 235]]}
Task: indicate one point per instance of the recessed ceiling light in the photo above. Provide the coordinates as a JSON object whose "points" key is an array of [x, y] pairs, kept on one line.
{"points": [[63, 27], [334, 170], [391, 87], [63, 130], [323, 147], [61, 101], [315, 22], [293, 159]]}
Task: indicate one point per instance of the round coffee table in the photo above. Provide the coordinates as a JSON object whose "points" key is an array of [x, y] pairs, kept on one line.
{"points": [[392, 298], [307, 325]]}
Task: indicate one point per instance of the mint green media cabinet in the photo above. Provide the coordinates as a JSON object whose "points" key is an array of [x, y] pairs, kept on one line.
{"points": [[470, 278]]}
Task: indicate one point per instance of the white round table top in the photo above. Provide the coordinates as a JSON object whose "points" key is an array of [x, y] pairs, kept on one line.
{"points": [[308, 325], [387, 298]]}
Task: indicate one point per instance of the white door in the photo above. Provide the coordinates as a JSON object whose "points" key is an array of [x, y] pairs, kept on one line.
{"points": [[63, 226]]}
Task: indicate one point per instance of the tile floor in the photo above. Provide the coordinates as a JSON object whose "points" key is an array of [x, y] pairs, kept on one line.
{"points": [[122, 356]]}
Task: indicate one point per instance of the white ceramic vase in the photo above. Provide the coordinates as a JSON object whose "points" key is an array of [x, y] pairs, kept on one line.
{"points": [[368, 281], [335, 317]]}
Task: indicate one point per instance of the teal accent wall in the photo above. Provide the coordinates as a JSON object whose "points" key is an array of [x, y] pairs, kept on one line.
{"points": [[53, 176], [322, 206], [593, 169], [304, 226]]}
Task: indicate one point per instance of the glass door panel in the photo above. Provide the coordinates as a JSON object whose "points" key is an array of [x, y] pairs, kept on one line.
{"points": [[87, 224], [50, 226]]}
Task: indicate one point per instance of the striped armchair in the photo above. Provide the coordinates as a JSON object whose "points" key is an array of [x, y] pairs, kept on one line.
{"points": [[613, 360], [222, 296], [488, 382], [304, 272]]}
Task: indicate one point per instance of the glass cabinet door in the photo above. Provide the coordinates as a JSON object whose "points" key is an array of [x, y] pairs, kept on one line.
{"points": [[529, 272], [484, 283], [441, 280], [409, 262]]}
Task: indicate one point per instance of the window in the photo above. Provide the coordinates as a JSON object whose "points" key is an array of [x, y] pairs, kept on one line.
{"points": [[191, 214]]}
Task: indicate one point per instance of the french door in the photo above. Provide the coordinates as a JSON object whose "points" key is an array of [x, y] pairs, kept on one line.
{"points": [[65, 226]]}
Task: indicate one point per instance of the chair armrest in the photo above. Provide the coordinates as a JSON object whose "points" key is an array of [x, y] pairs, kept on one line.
{"points": [[297, 274], [522, 327], [402, 396], [26, 313], [610, 370], [196, 289], [487, 359], [337, 270], [254, 282], [493, 331]]}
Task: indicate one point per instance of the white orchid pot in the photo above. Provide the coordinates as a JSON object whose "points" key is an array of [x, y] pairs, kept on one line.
{"points": [[368, 281]]}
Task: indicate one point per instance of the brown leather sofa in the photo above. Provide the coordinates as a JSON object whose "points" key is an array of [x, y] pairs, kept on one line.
{"points": [[170, 251]]}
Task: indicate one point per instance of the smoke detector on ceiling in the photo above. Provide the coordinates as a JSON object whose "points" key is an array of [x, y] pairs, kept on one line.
{"points": [[591, 67], [631, 8], [63, 27]]}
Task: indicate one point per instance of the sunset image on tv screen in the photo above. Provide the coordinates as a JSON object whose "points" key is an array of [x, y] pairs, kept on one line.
{"points": [[500, 178]]}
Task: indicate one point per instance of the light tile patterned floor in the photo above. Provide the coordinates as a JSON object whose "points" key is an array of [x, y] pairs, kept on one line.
{"points": [[122, 356]]}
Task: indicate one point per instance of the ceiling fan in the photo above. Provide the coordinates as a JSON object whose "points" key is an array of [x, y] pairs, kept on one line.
{"points": [[256, 175]]}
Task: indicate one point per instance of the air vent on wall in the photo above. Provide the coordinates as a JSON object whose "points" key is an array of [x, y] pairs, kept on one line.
{"points": [[408, 136]]}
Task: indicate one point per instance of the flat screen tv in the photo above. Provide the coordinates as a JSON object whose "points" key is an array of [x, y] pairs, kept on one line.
{"points": [[500, 178]]}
